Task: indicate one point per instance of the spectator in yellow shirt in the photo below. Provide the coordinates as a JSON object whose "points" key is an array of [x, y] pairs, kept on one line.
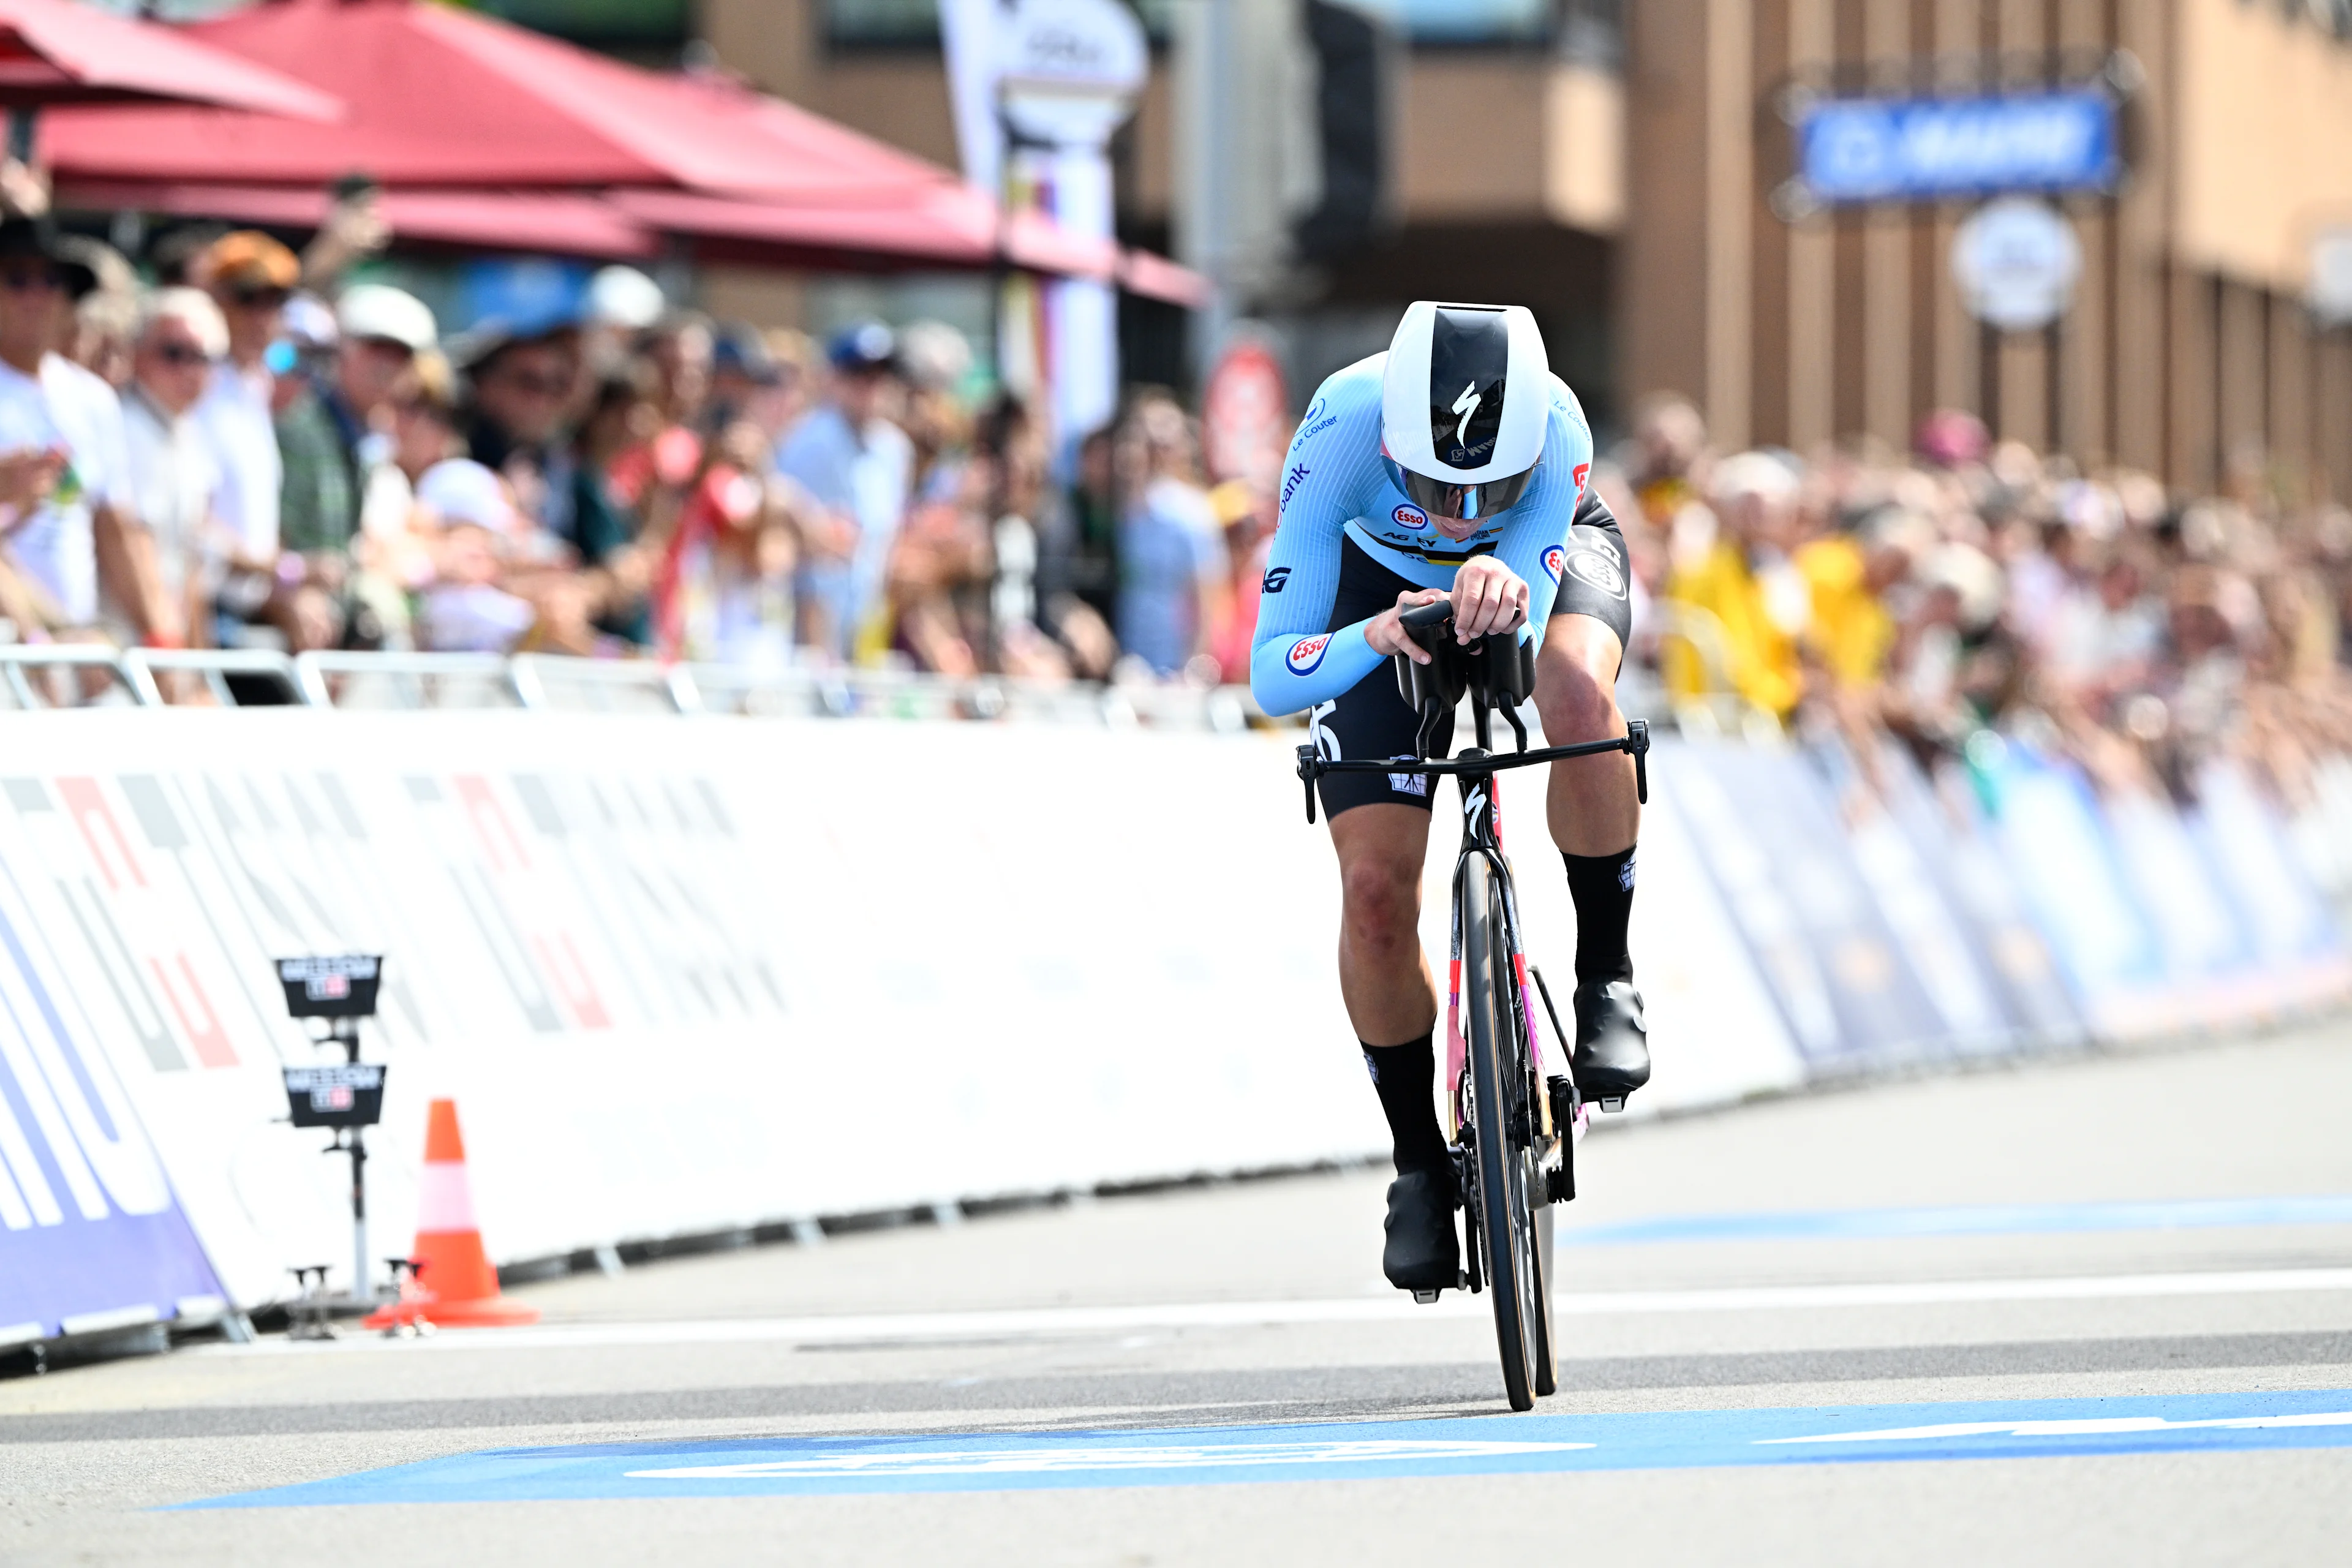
{"points": [[1849, 574], [1740, 579]]}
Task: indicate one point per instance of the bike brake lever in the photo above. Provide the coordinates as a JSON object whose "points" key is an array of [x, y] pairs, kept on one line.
{"points": [[1637, 742], [1306, 772]]}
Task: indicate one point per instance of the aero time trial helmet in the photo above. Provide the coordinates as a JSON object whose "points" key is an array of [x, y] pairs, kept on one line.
{"points": [[1464, 403]]}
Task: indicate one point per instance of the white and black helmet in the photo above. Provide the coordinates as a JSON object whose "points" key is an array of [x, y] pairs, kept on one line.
{"points": [[1464, 404]]}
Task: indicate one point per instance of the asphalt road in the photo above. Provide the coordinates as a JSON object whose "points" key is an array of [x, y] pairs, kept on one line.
{"points": [[2092, 1312]]}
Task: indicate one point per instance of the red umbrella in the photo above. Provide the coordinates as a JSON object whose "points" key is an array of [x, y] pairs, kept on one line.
{"points": [[439, 97], [436, 95], [54, 51]]}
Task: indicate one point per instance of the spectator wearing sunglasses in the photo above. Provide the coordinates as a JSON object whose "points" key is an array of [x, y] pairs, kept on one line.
{"points": [[520, 392], [179, 338], [250, 275]]}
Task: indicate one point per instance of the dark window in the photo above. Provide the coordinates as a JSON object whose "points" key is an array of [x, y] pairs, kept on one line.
{"points": [[623, 24]]}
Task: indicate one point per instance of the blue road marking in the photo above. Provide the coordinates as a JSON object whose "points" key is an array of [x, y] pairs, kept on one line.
{"points": [[1456, 1446], [1975, 1219]]}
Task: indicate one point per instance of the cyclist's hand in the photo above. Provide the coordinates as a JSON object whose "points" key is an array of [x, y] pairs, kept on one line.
{"points": [[1488, 596], [1386, 631]]}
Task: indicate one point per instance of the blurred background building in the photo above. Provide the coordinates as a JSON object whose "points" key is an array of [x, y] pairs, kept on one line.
{"points": [[2189, 342], [1348, 159], [1488, 148]]}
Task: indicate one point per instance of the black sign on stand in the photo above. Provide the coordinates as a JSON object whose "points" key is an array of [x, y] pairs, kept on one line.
{"points": [[346, 1098], [341, 987], [347, 1095]]}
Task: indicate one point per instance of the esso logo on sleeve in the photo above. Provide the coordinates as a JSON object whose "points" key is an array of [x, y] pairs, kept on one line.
{"points": [[1583, 472], [1555, 560], [1306, 653], [1410, 517]]}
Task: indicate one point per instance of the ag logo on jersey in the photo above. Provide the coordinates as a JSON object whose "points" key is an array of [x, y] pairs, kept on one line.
{"points": [[1306, 653], [1599, 569], [1412, 517], [1554, 560]]}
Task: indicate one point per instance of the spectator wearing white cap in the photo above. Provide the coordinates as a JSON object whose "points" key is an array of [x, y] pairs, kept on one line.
{"points": [[179, 336], [330, 437]]}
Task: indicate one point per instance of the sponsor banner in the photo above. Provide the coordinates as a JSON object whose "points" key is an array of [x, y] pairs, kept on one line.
{"points": [[90, 1234], [2164, 918], [1849, 988], [1942, 825], [688, 975]]}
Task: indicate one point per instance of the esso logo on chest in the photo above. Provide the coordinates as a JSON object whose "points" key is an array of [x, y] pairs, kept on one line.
{"points": [[1411, 517]]}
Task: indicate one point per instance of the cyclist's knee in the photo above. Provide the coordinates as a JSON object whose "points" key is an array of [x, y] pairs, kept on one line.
{"points": [[1576, 704], [1380, 899]]}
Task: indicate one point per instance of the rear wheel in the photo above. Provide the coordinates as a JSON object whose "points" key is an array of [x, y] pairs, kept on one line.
{"points": [[1499, 1122]]}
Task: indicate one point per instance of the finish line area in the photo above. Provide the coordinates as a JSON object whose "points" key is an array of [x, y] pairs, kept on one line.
{"points": [[2056, 1314], [1503, 1445]]}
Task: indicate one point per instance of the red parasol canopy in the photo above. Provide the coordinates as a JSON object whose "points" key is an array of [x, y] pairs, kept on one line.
{"points": [[54, 51], [438, 96], [582, 154]]}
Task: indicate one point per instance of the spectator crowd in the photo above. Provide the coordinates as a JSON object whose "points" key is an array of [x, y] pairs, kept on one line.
{"points": [[1967, 591], [237, 446]]}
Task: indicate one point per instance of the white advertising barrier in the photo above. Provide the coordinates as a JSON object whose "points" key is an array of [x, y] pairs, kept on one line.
{"points": [[683, 976]]}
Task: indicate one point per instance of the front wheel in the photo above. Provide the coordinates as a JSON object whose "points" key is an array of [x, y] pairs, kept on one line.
{"points": [[1500, 1126]]}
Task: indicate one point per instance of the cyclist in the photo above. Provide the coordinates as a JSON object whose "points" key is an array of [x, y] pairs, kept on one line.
{"points": [[1456, 466]]}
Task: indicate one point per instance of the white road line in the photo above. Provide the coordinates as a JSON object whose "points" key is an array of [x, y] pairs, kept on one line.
{"points": [[1049, 1323]]}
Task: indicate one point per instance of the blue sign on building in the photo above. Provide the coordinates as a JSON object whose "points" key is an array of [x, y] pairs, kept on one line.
{"points": [[1930, 149]]}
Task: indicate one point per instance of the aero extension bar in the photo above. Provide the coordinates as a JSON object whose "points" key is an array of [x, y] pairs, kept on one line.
{"points": [[1425, 622]]}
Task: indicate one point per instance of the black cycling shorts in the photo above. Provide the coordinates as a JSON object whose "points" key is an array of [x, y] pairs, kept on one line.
{"points": [[1370, 719]]}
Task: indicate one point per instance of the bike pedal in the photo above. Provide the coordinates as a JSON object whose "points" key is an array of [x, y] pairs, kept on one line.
{"points": [[1616, 1104], [1424, 1298]]}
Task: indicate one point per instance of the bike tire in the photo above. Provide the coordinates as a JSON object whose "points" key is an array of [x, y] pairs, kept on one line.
{"points": [[1507, 1219]]}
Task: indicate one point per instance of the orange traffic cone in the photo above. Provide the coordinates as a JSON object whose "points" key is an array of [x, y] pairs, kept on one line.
{"points": [[456, 1284]]}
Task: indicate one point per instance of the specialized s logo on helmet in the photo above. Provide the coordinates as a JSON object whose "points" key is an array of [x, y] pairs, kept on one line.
{"points": [[1306, 654], [1469, 363]]}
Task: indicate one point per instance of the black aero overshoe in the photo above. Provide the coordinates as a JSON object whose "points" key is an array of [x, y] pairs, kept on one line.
{"points": [[1612, 1043], [1422, 1253]]}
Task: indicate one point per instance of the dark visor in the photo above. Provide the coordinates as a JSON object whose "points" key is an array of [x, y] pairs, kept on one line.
{"points": [[1462, 503]]}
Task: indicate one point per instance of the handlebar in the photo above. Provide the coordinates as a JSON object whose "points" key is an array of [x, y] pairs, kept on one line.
{"points": [[1634, 743]]}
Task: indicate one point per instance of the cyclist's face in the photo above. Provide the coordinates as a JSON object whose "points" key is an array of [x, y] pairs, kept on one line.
{"points": [[1460, 528]]}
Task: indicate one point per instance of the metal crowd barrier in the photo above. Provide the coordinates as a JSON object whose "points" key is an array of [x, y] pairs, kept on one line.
{"points": [[68, 675]]}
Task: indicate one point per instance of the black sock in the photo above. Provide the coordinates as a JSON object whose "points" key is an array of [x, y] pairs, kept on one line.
{"points": [[1603, 887], [1405, 1077]]}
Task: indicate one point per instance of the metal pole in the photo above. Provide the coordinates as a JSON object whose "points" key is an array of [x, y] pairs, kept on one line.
{"points": [[359, 1219], [347, 1031]]}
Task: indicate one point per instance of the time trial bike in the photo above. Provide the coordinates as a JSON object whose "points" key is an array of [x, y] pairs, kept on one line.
{"points": [[1513, 1125]]}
